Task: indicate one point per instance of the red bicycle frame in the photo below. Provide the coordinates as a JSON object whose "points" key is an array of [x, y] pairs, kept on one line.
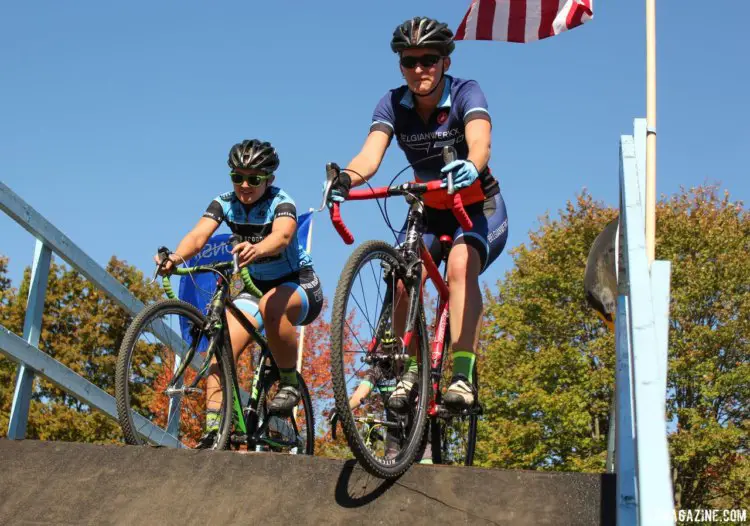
{"points": [[438, 345]]}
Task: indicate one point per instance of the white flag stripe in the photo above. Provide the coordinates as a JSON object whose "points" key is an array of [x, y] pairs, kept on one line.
{"points": [[471, 21], [500, 24], [561, 9], [533, 20]]}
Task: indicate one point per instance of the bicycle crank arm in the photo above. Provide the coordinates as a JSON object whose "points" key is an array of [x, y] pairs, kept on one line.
{"points": [[376, 422]]}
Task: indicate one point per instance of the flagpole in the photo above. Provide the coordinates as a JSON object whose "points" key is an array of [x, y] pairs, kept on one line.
{"points": [[650, 204], [300, 342]]}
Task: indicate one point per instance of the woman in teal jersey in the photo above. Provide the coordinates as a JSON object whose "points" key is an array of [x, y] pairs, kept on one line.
{"points": [[265, 218]]}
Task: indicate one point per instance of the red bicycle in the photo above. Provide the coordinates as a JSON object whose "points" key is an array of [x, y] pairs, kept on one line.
{"points": [[378, 280]]}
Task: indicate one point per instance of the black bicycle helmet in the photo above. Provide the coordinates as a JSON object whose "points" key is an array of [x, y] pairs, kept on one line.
{"points": [[253, 155], [423, 32]]}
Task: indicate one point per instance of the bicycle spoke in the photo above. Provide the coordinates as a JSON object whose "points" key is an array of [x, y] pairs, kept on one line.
{"points": [[362, 288], [377, 281]]}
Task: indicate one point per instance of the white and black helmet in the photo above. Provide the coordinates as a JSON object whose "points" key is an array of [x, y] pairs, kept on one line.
{"points": [[253, 155], [423, 32]]}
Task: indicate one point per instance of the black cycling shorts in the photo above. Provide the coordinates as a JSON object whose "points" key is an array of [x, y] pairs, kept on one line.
{"points": [[488, 234], [306, 284]]}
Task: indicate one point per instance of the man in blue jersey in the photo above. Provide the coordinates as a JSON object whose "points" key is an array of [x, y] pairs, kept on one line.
{"points": [[265, 218], [431, 111]]}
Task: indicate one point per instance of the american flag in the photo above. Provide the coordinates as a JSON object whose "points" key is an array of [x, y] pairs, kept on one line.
{"points": [[522, 20]]}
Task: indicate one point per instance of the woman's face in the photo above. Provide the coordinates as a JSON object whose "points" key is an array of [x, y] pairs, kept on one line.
{"points": [[423, 69], [246, 192]]}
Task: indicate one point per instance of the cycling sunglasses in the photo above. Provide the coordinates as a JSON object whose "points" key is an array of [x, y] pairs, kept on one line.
{"points": [[426, 61], [252, 180]]}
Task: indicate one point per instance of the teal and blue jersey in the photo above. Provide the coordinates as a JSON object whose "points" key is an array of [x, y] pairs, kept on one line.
{"points": [[254, 223]]}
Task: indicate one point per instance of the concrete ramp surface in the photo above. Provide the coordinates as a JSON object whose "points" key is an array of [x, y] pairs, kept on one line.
{"points": [[71, 483]]}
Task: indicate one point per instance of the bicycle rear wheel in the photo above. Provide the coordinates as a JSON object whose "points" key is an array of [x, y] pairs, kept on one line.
{"points": [[154, 406], [293, 433], [362, 332]]}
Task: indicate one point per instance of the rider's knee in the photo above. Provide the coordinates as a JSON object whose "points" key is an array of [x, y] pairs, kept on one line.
{"points": [[464, 264]]}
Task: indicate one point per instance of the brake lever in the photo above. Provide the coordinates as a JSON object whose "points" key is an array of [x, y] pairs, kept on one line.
{"points": [[450, 155], [332, 171]]}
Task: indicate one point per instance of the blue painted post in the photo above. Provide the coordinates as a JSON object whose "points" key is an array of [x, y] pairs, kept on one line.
{"points": [[654, 485], [660, 290], [627, 511], [639, 141], [610, 466], [32, 327]]}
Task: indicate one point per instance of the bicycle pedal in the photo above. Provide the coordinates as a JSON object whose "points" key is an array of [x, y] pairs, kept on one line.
{"points": [[237, 440], [446, 413]]}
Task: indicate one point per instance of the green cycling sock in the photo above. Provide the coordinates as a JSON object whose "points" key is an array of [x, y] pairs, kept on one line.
{"points": [[411, 365], [288, 376], [212, 420], [463, 364]]}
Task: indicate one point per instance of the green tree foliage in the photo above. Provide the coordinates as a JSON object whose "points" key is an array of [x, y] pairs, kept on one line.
{"points": [[82, 329], [547, 362], [707, 238]]}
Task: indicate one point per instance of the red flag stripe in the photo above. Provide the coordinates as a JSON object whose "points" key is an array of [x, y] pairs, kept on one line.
{"points": [[485, 17], [517, 21], [550, 9]]}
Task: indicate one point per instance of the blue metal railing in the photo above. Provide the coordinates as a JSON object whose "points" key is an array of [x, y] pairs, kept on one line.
{"points": [[24, 350]]}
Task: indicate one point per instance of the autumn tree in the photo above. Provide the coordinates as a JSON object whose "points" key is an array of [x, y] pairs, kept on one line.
{"points": [[316, 369], [82, 328]]}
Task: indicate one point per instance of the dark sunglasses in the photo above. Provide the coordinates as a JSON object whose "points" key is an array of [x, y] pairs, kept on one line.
{"points": [[252, 180], [426, 61]]}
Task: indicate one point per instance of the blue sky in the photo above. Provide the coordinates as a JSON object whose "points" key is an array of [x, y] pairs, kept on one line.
{"points": [[116, 119]]}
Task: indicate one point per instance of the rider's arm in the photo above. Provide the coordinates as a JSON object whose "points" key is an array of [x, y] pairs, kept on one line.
{"points": [[195, 239], [368, 160], [362, 391], [472, 105], [478, 138], [281, 235]]}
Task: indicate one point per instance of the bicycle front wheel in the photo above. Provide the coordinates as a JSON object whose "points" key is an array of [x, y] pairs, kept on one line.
{"points": [[155, 404], [364, 337]]}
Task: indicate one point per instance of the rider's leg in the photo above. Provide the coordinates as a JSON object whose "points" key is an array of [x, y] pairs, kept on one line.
{"points": [[292, 303], [280, 309], [240, 339], [473, 251], [464, 267], [398, 401]]}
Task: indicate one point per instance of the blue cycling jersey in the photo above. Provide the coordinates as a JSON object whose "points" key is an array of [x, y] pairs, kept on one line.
{"points": [[462, 101], [254, 223]]}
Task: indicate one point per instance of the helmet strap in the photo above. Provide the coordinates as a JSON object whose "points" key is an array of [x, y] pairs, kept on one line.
{"points": [[437, 85]]}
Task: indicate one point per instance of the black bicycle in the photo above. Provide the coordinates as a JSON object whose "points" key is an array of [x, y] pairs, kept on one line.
{"points": [[163, 375], [364, 320]]}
